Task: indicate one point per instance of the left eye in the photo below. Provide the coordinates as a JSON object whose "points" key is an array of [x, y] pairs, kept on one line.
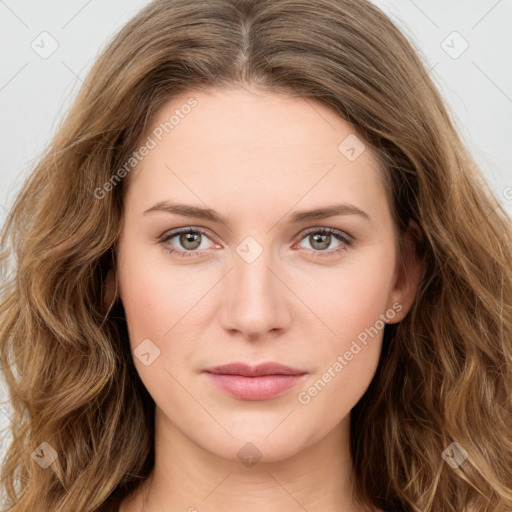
{"points": [[323, 237], [191, 238]]}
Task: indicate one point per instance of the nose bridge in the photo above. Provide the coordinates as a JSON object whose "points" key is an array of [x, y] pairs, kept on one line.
{"points": [[255, 298]]}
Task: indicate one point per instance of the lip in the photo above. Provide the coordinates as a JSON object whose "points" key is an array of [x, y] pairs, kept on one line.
{"points": [[270, 368], [260, 382]]}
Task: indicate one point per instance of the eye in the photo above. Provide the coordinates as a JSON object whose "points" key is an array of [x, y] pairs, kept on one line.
{"points": [[321, 238], [190, 238]]}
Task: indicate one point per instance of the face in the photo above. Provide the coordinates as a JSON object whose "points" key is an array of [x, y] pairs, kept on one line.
{"points": [[259, 285]]}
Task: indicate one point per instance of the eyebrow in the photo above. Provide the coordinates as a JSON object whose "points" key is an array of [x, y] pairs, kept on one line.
{"points": [[213, 216]]}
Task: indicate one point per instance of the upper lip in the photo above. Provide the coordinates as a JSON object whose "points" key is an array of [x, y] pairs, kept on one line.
{"points": [[270, 368]]}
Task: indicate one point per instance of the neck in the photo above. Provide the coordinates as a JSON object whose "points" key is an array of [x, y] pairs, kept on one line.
{"points": [[187, 477]]}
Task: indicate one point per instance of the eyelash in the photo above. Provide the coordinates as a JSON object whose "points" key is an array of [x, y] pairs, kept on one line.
{"points": [[339, 235]]}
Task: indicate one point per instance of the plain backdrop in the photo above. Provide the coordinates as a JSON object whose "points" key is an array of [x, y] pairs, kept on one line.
{"points": [[48, 47]]}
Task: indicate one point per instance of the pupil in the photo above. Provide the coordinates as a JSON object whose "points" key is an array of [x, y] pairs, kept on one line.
{"points": [[187, 238], [322, 240]]}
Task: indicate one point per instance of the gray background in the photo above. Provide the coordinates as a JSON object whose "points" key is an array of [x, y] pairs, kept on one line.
{"points": [[35, 92]]}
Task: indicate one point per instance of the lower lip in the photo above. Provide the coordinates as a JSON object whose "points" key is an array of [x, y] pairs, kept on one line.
{"points": [[255, 388]]}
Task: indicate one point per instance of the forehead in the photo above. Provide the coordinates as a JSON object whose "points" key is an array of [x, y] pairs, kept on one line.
{"points": [[254, 142], [230, 118]]}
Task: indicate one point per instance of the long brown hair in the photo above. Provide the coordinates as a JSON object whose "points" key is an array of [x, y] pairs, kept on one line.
{"points": [[445, 374]]}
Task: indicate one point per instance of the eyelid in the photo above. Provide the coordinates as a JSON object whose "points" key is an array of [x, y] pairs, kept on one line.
{"points": [[204, 231], [328, 229], [185, 229], [345, 238]]}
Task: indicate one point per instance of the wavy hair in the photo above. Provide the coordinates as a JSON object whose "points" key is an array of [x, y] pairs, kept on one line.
{"points": [[445, 371]]}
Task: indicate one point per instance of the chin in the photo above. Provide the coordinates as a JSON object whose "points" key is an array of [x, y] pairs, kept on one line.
{"points": [[253, 443]]}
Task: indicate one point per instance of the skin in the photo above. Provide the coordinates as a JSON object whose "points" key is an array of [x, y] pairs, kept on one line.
{"points": [[256, 158]]}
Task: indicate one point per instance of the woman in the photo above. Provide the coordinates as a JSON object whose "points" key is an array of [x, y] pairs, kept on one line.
{"points": [[257, 269]]}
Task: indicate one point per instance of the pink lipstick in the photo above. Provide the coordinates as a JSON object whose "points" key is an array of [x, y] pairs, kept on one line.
{"points": [[260, 382]]}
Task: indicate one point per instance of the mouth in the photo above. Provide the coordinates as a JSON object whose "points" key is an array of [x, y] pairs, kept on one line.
{"points": [[260, 382]]}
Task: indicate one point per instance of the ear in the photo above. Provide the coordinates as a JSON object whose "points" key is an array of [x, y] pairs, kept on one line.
{"points": [[408, 273]]}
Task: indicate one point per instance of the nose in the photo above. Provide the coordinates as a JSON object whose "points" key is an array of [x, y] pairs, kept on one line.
{"points": [[257, 302]]}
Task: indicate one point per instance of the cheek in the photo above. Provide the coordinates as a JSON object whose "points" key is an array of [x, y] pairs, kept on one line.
{"points": [[153, 310], [154, 299], [145, 302], [353, 311], [353, 299], [161, 305], [347, 358]]}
